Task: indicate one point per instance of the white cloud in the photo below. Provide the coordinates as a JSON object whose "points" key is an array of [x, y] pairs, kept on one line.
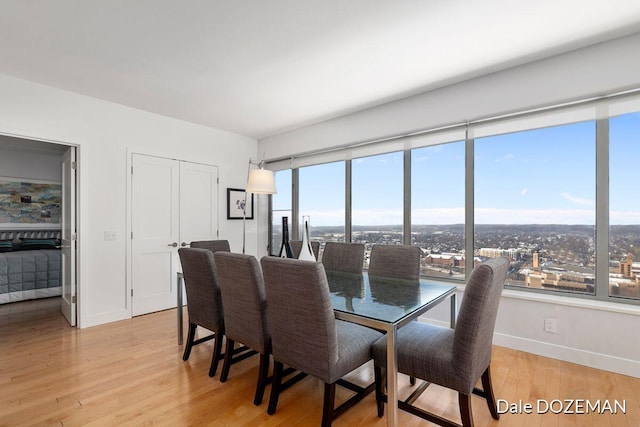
{"points": [[534, 216], [506, 157], [576, 200], [524, 191]]}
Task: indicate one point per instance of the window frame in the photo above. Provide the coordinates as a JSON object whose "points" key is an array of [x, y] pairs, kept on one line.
{"points": [[602, 167]]}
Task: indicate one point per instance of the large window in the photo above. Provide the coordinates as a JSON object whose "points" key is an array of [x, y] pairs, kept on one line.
{"points": [[624, 206], [437, 208], [322, 199], [280, 207], [377, 200], [535, 203], [552, 190]]}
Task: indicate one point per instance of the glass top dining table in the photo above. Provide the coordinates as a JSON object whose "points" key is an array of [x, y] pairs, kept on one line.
{"points": [[380, 303], [387, 304]]}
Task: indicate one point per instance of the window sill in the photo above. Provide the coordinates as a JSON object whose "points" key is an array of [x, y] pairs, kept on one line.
{"points": [[570, 301]]}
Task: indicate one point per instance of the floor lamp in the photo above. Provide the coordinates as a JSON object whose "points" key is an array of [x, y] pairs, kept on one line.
{"points": [[259, 181]]}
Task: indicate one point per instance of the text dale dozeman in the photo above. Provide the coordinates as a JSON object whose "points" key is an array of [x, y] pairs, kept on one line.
{"points": [[563, 406]]}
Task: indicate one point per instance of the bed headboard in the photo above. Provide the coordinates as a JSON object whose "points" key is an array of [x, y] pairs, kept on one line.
{"points": [[30, 234]]}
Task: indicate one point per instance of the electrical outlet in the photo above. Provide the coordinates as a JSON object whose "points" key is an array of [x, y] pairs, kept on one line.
{"points": [[109, 235], [551, 325]]}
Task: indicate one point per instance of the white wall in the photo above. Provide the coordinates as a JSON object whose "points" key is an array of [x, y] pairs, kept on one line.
{"points": [[106, 134], [596, 334], [597, 70], [30, 165]]}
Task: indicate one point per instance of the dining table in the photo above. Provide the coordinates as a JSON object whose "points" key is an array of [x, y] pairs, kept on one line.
{"points": [[387, 304], [381, 303]]}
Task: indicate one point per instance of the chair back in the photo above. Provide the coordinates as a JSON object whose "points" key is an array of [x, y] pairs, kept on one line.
{"points": [[300, 313], [212, 245], [201, 285], [244, 300], [395, 261], [477, 318], [296, 246], [347, 257]]}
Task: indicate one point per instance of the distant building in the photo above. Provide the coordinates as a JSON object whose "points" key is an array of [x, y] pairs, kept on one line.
{"points": [[512, 254], [445, 260]]}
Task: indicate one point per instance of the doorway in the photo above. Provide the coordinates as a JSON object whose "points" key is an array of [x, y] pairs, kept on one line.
{"points": [[50, 217]]}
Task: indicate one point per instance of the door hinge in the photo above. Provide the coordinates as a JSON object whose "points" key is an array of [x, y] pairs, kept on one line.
{"points": [[74, 237], [132, 235], [131, 292], [131, 170], [73, 299], [74, 165], [218, 180]]}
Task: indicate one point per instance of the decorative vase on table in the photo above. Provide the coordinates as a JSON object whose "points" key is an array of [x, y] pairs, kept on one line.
{"points": [[285, 247], [306, 251]]}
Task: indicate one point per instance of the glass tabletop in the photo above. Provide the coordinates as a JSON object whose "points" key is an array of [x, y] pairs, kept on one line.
{"points": [[383, 299]]}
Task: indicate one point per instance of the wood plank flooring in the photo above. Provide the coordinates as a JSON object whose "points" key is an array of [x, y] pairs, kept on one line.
{"points": [[131, 373]]}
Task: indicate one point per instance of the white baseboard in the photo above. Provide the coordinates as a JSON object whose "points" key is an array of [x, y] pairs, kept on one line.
{"points": [[568, 354], [107, 317]]}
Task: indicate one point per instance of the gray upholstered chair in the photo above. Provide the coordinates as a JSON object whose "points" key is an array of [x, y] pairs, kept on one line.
{"points": [[212, 245], [245, 314], [395, 261], [296, 246], [347, 257], [204, 301], [453, 358], [306, 336]]}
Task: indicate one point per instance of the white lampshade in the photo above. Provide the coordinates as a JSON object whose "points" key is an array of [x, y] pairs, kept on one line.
{"points": [[261, 181]]}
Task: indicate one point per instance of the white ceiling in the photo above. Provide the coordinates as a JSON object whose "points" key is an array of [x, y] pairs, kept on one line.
{"points": [[261, 67]]}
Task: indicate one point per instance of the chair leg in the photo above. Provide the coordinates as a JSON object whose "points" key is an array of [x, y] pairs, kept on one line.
{"points": [[263, 374], [465, 409], [217, 351], [327, 407], [275, 387], [412, 380], [380, 382], [488, 391], [226, 365], [190, 337]]}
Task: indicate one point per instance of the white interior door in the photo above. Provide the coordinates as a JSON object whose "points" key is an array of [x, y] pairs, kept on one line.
{"points": [[155, 233], [68, 241], [174, 202], [198, 202]]}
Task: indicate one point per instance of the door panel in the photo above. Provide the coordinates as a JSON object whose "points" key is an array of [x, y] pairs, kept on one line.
{"points": [[198, 202], [68, 241], [155, 225]]}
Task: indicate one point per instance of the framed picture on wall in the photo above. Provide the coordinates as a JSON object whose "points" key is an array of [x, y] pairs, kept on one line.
{"points": [[28, 203], [236, 204]]}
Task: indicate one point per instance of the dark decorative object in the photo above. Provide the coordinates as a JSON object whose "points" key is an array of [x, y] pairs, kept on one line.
{"points": [[285, 247]]}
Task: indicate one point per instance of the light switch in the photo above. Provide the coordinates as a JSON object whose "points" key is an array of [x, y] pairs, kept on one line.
{"points": [[109, 235]]}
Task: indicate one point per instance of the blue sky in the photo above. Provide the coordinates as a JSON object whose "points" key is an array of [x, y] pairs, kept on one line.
{"points": [[543, 176]]}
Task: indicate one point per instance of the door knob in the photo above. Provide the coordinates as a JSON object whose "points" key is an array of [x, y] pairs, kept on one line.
{"points": [[174, 244], [183, 244]]}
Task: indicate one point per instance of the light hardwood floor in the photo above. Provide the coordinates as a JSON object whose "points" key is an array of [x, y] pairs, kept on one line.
{"points": [[131, 373]]}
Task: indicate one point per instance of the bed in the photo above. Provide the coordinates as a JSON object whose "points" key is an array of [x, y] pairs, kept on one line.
{"points": [[31, 267]]}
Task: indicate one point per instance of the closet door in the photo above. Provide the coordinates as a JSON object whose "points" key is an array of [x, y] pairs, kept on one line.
{"points": [[174, 202], [198, 202], [155, 233]]}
